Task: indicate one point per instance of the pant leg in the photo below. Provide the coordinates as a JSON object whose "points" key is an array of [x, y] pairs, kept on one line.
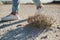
{"points": [[15, 5], [37, 2]]}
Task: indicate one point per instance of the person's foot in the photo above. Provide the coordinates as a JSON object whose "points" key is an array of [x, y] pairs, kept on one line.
{"points": [[10, 17], [40, 8]]}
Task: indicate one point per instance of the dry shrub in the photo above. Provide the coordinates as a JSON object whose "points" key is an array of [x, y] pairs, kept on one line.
{"points": [[41, 20]]}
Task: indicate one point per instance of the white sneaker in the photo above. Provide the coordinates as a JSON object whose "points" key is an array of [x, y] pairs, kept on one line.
{"points": [[41, 10], [10, 17]]}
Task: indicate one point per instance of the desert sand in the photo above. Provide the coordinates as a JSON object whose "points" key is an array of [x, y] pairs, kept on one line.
{"points": [[21, 30]]}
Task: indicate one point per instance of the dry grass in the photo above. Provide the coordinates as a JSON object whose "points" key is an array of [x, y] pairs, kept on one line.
{"points": [[41, 21]]}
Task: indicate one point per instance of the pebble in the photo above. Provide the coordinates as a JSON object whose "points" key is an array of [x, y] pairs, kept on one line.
{"points": [[56, 35], [44, 37], [58, 27], [51, 29]]}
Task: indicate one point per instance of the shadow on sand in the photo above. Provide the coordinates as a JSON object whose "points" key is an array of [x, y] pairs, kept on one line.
{"points": [[23, 33], [7, 25]]}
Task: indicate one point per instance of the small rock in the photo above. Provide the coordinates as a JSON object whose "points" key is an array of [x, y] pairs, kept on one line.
{"points": [[55, 31], [58, 27], [44, 37], [56, 35], [19, 25], [51, 29], [7, 30]]}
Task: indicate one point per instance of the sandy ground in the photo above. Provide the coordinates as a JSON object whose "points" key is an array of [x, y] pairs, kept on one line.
{"points": [[20, 30]]}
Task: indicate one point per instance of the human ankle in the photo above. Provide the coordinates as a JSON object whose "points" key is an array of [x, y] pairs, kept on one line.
{"points": [[14, 13], [39, 7]]}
